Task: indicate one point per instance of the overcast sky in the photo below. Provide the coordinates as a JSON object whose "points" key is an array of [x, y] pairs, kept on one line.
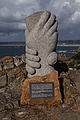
{"points": [[13, 13]]}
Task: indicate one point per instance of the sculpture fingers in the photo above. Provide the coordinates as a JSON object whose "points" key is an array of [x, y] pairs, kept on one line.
{"points": [[33, 64], [42, 21], [49, 23], [52, 43], [32, 57], [30, 70], [54, 37], [52, 58], [52, 29]]}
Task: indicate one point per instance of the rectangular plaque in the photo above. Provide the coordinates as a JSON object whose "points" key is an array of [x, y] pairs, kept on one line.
{"points": [[42, 90]]}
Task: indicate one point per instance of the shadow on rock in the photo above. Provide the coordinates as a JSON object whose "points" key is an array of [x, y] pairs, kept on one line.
{"points": [[61, 67]]}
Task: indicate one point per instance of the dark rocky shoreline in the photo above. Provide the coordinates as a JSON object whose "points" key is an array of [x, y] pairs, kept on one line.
{"points": [[12, 76]]}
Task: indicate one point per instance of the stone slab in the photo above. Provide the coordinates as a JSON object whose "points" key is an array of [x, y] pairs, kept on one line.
{"points": [[47, 79]]}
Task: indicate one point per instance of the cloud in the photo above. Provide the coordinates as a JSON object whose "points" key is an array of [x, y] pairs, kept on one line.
{"points": [[12, 16], [76, 17], [13, 13], [68, 15], [78, 1]]}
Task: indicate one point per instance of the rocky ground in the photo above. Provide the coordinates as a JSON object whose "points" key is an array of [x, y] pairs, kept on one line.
{"points": [[12, 76]]}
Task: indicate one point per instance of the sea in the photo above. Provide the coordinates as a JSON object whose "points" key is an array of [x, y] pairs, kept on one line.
{"points": [[17, 50]]}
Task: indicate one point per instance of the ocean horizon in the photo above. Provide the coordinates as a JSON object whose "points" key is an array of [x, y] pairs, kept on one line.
{"points": [[17, 50]]}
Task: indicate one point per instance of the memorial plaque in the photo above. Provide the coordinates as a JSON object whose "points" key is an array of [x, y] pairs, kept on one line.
{"points": [[42, 90]]}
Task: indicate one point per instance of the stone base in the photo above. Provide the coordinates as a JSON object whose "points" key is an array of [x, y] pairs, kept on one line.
{"points": [[52, 77]]}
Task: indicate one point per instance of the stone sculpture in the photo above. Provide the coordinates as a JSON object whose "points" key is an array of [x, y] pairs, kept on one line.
{"points": [[41, 40]]}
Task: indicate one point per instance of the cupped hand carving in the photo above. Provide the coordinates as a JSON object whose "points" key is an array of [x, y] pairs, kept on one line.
{"points": [[41, 43]]}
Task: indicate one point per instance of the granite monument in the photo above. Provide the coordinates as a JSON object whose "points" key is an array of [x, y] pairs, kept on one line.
{"points": [[41, 40]]}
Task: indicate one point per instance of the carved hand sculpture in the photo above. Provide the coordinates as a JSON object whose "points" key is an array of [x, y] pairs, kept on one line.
{"points": [[41, 43]]}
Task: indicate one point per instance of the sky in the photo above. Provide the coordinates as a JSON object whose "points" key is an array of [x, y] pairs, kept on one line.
{"points": [[14, 12]]}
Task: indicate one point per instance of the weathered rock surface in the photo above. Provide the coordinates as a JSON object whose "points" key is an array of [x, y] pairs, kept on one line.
{"points": [[0, 67], [9, 62], [3, 81]]}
